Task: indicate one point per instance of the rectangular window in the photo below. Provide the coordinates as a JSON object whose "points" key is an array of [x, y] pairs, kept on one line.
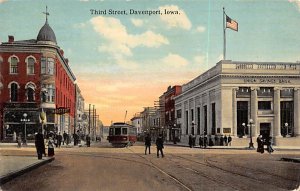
{"points": [[186, 122], [178, 112], [264, 105], [198, 120], [213, 118], [43, 66], [124, 131], [47, 66], [242, 118], [205, 119], [30, 66], [118, 131]]}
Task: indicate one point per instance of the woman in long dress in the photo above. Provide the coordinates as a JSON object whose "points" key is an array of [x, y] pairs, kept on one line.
{"points": [[50, 147]]}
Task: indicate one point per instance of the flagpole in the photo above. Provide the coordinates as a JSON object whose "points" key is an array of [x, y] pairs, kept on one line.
{"points": [[224, 35]]}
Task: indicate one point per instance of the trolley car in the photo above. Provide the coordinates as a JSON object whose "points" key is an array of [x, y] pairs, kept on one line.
{"points": [[122, 134]]}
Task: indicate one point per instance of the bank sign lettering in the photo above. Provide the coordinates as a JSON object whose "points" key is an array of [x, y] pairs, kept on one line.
{"points": [[267, 81]]}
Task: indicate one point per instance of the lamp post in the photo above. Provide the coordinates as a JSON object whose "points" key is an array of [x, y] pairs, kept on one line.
{"points": [[286, 125], [193, 124], [250, 133], [244, 129], [174, 133], [25, 132]]}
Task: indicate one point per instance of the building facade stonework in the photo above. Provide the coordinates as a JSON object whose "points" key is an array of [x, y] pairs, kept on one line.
{"points": [[225, 98]]}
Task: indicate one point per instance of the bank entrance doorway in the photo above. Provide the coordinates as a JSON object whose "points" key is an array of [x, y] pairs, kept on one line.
{"points": [[265, 129]]}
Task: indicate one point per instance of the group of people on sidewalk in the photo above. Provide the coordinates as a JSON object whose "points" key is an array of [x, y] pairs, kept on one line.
{"points": [[205, 141], [159, 145], [264, 141]]}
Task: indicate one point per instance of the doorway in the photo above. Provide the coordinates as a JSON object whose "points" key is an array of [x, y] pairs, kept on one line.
{"points": [[265, 129]]}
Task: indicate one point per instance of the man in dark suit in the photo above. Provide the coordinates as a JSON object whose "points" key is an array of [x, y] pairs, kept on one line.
{"points": [[39, 144], [160, 145]]}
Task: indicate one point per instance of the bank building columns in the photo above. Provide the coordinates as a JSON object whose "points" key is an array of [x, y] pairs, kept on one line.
{"points": [[234, 112], [253, 110], [276, 130], [297, 112]]}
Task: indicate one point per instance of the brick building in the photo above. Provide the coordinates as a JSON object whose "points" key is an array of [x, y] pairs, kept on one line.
{"points": [[36, 78]]}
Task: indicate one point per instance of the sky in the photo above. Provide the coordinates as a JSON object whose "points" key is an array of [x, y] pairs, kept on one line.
{"points": [[124, 62]]}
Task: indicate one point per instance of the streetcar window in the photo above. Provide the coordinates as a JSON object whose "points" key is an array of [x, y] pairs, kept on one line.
{"points": [[118, 131], [111, 131], [124, 131]]}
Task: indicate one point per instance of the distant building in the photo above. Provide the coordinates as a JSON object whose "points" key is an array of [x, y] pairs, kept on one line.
{"points": [[243, 99], [170, 122], [36, 77], [137, 122]]}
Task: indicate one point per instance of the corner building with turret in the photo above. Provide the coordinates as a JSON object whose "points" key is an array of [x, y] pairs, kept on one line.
{"points": [[35, 78]]}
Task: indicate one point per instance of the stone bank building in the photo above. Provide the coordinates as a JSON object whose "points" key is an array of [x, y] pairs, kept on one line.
{"points": [[225, 98]]}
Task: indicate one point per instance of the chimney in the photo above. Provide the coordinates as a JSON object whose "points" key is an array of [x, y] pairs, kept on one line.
{"points": [[11, 39], [61, 52]]}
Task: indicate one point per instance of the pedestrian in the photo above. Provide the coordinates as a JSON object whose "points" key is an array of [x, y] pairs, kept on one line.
{"points": [[59, 139], [88, 140], [205, 141], [65, 138], [190, 141], [221, 141], [160, 145], [229, 140], [147, 143], [50, 146], [201, 141], [210, 142], [19, 140], [193, 140], [225, 140], [68, 139], [39, 144], [260, 144], [216, 140], [269, 144]]}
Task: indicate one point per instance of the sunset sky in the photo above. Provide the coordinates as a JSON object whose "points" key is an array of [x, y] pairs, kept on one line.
{"points": [[125, 62]]}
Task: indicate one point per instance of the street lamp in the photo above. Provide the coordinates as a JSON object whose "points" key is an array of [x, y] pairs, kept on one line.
{"points": [[244, 126], [193, 124], [250, 133], [25, 120], [286, 125], [174, 133]]}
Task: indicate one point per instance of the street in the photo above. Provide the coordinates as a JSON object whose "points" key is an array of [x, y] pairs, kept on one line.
{"points": [[102, 167]]}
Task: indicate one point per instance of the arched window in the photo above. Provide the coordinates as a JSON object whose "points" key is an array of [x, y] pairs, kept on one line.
{"points": [[13, 65], [30, 65], [30, 94], [30, 91], [14, 92]]}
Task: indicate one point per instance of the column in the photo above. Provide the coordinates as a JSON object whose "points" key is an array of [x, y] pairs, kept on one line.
{"points": [[296, 112], [234, 112], [276, 128], [253, 110]]}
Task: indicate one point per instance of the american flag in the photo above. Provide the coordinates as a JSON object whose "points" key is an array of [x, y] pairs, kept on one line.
{"points": [[232, 24]]}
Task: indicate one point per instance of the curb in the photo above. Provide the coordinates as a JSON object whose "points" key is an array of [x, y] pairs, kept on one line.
{"points": [[296, 160], [6, 178]]}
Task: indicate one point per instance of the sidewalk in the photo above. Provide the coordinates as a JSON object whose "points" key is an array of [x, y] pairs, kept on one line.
{"points": [[286, 148], [18, 165]]}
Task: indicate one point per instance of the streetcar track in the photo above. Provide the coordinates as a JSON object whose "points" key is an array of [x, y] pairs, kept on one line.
{"points": [[209, 164], [207, 176], [164, 172]]}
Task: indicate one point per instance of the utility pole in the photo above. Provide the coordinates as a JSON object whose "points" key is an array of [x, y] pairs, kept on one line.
{"points": [[89, 118]]}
